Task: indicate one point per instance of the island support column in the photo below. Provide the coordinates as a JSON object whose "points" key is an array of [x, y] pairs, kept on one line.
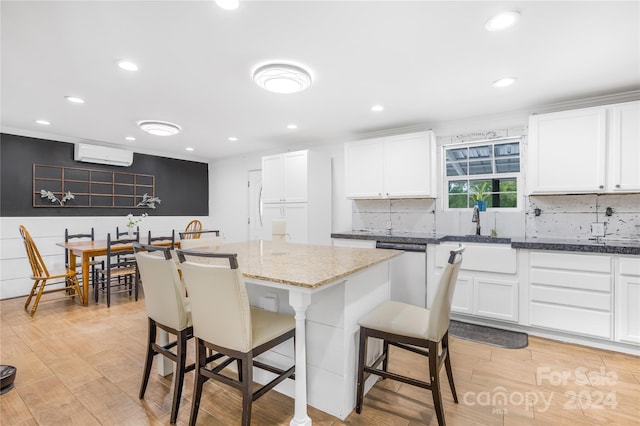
{"points": [[299, 302]]}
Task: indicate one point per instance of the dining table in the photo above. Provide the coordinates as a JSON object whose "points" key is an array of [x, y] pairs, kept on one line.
{"points": [[85, 250]]}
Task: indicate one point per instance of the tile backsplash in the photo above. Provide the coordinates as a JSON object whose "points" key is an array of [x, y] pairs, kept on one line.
{"points": [[561, 216]]}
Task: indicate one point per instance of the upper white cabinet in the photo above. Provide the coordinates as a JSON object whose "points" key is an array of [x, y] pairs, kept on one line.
{"points": [[589, 150], [401, 166], [624, 134], [285, 177]]}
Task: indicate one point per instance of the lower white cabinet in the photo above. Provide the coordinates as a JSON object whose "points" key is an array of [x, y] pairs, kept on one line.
{"points": [[487, 284], [571, 292], [296, 217], [627, 300]]}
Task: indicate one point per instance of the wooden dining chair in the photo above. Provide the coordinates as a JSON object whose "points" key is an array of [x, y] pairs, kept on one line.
{"points": [[119, 271], [415, 329], [125, 233], [192, 229], [58, 281], [167, 309], [93, 262], [225, 323], [171, 239]]}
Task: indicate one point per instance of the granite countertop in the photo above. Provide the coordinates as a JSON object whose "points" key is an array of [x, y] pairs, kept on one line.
{"points": [[302, 265], [587, 246]]}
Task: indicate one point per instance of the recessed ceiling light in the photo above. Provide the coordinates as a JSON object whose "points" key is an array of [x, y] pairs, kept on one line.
{"points": [[282, 78], [43, 122], [502, 21], [159, 128], [377, 108], [130, 138], [74, 99], [128, 65], [188, 148], [292, 126], [232, 139], [504, 82], [228, 4]]}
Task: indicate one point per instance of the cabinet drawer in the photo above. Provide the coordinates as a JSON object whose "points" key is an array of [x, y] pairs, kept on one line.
{"points": [[578, 262], [481, 257], [570, 279], [573, 320], [579, 299], [630, 266]]}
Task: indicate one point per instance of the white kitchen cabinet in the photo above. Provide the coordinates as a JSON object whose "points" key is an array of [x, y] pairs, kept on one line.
{"points": [[571, 292], [285, 177], [627, 290], [487, 284], [568, 150], [296, 188], [401, 166], [624, 137]]}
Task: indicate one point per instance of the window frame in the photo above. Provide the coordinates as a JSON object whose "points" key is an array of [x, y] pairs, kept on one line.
{"points": [[518, 176]]}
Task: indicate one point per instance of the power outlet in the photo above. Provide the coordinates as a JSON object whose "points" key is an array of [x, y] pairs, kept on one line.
{"points": [[597, 229]]}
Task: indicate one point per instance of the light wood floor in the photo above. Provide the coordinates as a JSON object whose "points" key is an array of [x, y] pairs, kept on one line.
{"points": [[82, 366]]}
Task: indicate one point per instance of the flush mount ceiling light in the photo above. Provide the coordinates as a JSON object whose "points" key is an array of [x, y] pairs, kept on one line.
{"points": [[43, 122], [74, 99], [377, 108], [502, 21], [504, 82], [228, 4], [188, 148], [292, 126], [159, 128], [127, 65], [232, 139], [130, 138], [282, 78]]}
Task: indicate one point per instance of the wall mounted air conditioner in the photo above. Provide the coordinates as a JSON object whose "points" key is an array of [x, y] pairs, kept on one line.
{"points": [[102, 155]]}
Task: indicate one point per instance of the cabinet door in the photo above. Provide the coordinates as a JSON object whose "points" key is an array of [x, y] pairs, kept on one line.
{"points": [[567, 151], [628, 318], [269, 213], [272, 179], [296, 216], [624, 172], [363, 169], [407, 165], [496, 299], [295, 177]]}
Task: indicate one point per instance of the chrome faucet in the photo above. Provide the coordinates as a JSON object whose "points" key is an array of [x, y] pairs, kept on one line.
{"points": [[476, 219]]}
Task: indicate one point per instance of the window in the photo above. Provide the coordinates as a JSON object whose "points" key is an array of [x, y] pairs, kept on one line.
{"points": [[484, 171]]}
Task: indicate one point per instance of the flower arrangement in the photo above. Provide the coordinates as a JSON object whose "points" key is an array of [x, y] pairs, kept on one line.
{"points": [[48, 194], [133, 221], [149, 201]]}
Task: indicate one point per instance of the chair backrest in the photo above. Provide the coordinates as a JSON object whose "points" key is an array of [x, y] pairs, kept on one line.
{"points": [[38, 267], [171, 238], [441, 306], [120, 258], [192, 227], [201, 243], [219, 302], [68, 236], [198, 234], [120, 233], [164, 298]]}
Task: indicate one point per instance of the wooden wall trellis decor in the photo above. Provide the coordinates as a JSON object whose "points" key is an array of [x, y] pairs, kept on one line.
{"points": [[91, 187]]}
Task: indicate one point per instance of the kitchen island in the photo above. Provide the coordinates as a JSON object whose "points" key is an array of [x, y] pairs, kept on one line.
{"points": [[328, 289]]}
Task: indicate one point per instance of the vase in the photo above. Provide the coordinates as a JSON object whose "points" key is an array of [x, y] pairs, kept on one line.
{"points": [[482, 205], [130, 233]]}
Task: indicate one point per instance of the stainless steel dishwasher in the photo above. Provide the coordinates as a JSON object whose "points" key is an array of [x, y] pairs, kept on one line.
{"points": [[408, 273]]}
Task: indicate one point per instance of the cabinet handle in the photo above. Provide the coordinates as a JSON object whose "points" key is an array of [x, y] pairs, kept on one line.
{"points": [[618, 186], [601, 187]]}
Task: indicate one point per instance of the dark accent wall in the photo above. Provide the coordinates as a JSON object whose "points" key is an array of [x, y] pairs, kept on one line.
{"points": [[183, 186]]}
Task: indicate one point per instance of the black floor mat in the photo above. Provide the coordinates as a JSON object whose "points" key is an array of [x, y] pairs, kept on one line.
{"points": [[489, 335]]}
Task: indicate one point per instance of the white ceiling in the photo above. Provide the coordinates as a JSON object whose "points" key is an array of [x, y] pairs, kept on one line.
{"points": [[425, 61]]}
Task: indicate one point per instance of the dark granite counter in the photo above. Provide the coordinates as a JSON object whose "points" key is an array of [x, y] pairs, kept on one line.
{"points": [[585, 246]]}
